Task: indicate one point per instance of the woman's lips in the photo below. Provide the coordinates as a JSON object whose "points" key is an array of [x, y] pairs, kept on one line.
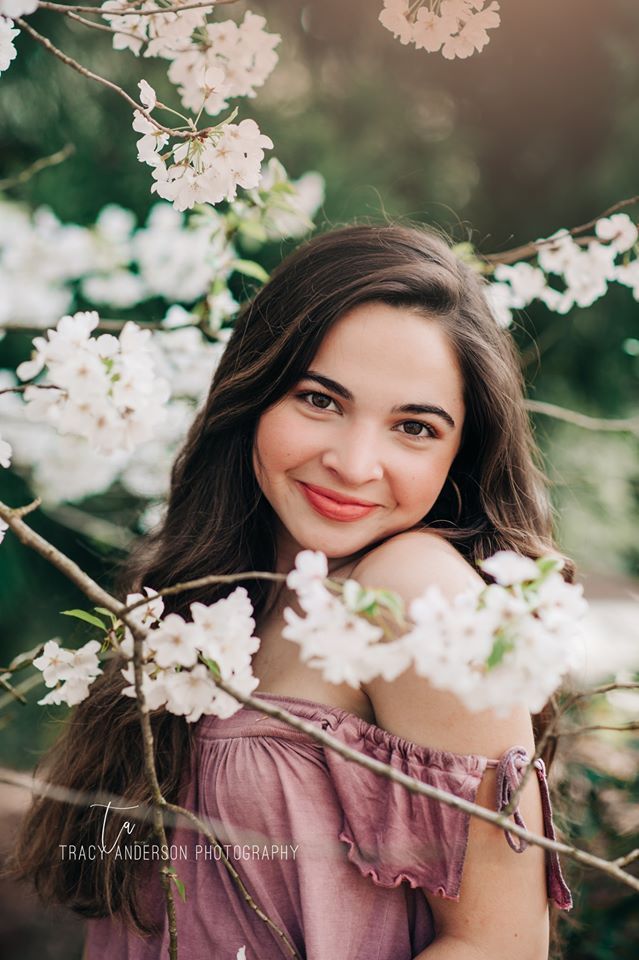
{"points": [[332, 509]]}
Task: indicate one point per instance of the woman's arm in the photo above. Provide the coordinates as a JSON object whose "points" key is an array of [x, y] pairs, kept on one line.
{"points": [[502, 913]]}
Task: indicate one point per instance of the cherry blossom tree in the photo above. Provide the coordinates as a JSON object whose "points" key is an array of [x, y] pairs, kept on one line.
{"points": [[118, 396]]}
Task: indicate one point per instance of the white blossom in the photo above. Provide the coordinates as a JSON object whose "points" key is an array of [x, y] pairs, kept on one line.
{"points": [[311, 567], [190, 692], [331, 637], [5, 453], [69, 672], [17, 8], [224, 60], [154, 684], [211, 169], [226, 630], [586, 270], [103, 388], [8, 33], [175, 642], [526, 282], [148, 96], [457, 28], [508, 568], [54, 662], [618, 230]]}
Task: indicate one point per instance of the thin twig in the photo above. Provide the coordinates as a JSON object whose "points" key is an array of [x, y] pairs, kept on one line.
{"points": [[236, 877], [629, 425], [205, 582], [51, 161], [96, 528], [70, 62], [604, 688], [620, 728], [25, 386], [112, 326], [13, 692], [100, 26], [552, 729], [131, 11], [25, 686], [628, 858]]}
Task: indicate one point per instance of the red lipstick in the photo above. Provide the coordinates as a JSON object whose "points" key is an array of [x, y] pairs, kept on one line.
{"points": [[335, 509]]}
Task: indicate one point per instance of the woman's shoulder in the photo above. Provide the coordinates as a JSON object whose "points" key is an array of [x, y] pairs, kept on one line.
{"points": [[410, 561], [409, 706]]}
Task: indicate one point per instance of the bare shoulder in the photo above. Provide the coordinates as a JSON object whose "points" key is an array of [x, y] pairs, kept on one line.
{"points": [[413, 560], [409, 706]]}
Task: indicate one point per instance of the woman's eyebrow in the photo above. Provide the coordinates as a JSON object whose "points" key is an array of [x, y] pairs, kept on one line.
{"points": [[341, 391]]}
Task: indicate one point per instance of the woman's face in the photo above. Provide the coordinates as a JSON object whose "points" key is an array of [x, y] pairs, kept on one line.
{"points": [[377, 418]]}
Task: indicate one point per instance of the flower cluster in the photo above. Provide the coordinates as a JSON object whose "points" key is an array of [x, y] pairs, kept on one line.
{"points": [[332, 635], [182, 261], [69, 672], [493, 646], [210, 62], [206, 168], [221, 61], [509, 643], [104, 388], [43, 261], [155, 29], [569, 273], [182, 658], [457, 28]]}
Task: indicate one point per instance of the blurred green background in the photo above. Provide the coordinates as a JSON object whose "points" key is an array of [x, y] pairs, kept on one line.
{"points": [[539, 131]]}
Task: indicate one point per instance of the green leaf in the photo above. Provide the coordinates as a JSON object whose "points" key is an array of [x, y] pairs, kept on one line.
{"points": [[250, 269], [108, 613], [501, 647], [178, 883], [392, 601], [87, 617], [548, 564], [213, 667], [181, 888]]}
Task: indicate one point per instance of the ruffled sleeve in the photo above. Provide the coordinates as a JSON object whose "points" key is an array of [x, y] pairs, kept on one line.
{"points": [[394, 835]]}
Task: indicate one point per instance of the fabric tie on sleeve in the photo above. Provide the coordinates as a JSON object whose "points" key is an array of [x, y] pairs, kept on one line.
{"points": [[509, 775]]}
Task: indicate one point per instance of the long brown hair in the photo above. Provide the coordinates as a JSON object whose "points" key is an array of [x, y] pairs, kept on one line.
{"points": [[218, 521]]}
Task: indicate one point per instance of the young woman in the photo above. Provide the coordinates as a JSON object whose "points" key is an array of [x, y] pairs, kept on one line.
{"points": [[368, 406]]}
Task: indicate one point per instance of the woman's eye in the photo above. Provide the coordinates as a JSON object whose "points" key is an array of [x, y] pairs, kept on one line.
{"points": [[413, 428], [321, 401]]}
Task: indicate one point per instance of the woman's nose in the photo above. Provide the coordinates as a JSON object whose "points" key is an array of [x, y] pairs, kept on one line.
{"points": [[354, 456]]}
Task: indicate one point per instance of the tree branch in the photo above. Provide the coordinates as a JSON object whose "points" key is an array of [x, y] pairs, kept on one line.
{"points": [[530, 249], [70, 62], [51, 161], [629, 425], [131, 10], [92, 590]]}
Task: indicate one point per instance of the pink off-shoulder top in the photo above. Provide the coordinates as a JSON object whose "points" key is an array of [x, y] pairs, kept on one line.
{"points": [[336, 855]]}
